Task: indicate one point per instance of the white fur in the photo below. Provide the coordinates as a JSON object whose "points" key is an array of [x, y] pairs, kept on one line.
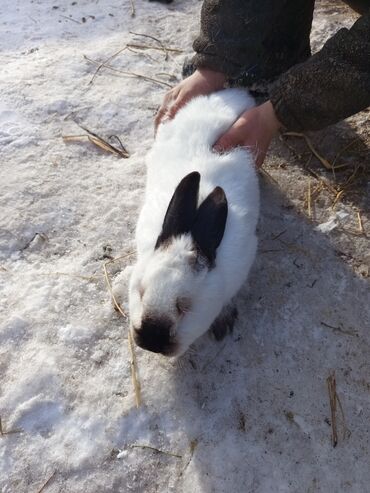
{"points": [[184, 145]]}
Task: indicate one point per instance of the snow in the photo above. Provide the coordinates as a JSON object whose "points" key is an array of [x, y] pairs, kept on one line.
{"points": [[248, 414], [334, 221]]}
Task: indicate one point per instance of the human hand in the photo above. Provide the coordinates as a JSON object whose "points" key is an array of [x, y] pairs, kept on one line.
{"points": [[200, 83], [254, 129]]}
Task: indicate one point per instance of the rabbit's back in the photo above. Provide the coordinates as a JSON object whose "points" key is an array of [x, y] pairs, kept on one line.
{"points": [[184, 145], [204, 119]]}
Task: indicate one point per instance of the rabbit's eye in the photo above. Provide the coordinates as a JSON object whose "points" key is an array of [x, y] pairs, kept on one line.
{"points": [[183, 305]]}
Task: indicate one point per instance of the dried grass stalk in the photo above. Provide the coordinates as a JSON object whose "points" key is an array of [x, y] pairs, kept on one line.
{"points": [[163, 47], [334, 400], [338, 196], [360, 225], [324, 182], [70, 19], [105, 62], [345, 148], [343, 189], [133, 10], [10, 432], [150, 47], [47, 483], [152, 59], [133, 362], [331, 383], [322, 160], [340, 330], [129, 47], [156, 450], [268, 176], [99, 142], [128, 74], [193, 446]]}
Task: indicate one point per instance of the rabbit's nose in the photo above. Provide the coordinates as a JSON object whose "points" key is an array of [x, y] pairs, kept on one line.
{"points": [[154, 334]]}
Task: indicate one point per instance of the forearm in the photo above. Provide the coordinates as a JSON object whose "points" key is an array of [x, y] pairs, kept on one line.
{"points": [[222, 36], [330, 86], [253, 39]]}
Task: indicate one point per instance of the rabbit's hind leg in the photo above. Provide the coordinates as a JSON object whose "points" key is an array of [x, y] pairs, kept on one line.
{"points": [[225, 321]]}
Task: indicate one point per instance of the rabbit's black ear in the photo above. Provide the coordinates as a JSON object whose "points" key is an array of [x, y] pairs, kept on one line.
{"points": [[209, 226], [182, 209]]}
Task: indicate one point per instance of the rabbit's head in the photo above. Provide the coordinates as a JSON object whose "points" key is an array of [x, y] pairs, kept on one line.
{"points": [[166, 283]]}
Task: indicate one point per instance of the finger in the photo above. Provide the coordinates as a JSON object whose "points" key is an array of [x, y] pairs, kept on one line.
{"points": [[168, 113], [175, 107], [232, 138], [159, 117], [168, 98]]}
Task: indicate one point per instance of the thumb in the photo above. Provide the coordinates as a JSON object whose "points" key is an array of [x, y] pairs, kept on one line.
{"points": [[232, 138]]}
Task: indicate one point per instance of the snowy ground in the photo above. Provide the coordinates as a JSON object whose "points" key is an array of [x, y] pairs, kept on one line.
{"points": [[250, 414]]}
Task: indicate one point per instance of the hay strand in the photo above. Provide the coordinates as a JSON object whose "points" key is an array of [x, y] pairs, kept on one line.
{"points": [[123, 148], [346, 185], [133, 10], [10, 432], [133, 362], [324, 182], [163, 47], [338, 196], [340, 330], [171, 454], [331, 383], [334, 400], [150, 47], [345, 148], [99, 142], [268, 176], [127, 73], [46, 483], [116, 304], [134, 371], [103, 144], [101, 65], [193, 446], [70, 19], [360, 224], [322, 160], [132, 47]]}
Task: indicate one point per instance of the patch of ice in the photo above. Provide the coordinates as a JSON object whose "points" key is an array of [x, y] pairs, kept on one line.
{"points": [[72, 333], [13, 330], [333, 222]]}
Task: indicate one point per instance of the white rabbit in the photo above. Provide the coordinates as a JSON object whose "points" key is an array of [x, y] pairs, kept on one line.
{"points": [[195, 235]]}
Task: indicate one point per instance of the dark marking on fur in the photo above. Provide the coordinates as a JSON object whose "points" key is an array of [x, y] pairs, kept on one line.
{"points": [[154, 335], [198, 261], [210, 222], [224, 323], [183, 305], [181, 211]]}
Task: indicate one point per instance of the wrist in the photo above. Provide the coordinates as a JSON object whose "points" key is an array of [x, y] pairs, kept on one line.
{"points": [[270, 117], [216, 80]]}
